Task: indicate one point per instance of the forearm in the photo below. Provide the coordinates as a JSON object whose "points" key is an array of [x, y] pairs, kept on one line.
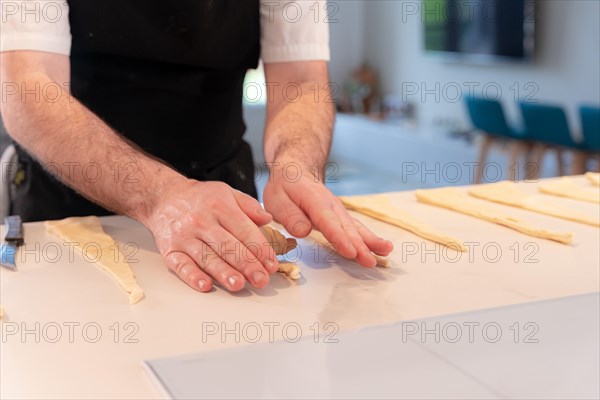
{"points": [[83, 151], [300, 129]]}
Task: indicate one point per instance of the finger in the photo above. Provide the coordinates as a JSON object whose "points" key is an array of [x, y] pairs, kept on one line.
{"points": [[188, 271], [252, 208], [375, 243], [289, 215], [319, 206], [327, 221], [255, 247], [236, 254], [211, 263], [363, 255]]}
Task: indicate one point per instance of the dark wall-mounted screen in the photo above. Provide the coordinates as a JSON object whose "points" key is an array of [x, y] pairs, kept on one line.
{"points": [[480, 29]]}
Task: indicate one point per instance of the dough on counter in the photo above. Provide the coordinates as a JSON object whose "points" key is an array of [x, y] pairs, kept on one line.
{"points": [[593, 177], [282, 245], [456, 200], [380, 208], [84, 230], [320, 239], [565, 187], [508, 193], [292, 270]]}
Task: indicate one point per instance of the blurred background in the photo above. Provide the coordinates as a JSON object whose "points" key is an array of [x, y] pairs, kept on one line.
{"points": [[406, 73], [449, 92]]}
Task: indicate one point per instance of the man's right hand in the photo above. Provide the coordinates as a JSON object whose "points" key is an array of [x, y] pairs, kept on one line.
{"points": [[207, 230]]}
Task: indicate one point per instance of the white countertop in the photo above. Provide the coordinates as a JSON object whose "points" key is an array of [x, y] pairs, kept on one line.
{"points": [[58, 291]]}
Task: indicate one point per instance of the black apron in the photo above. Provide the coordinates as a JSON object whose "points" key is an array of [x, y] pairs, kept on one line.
{"points": [[166, 75]]}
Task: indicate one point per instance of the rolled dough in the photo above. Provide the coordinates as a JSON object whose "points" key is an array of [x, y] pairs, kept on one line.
{"points": [[379, 207], [508, 193], [565, 187], [320, 239], [593, 177], [456, 200], [88, 230], [292, 270], [282, 245]]}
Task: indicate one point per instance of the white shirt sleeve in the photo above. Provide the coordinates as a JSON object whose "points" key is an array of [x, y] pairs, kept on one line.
{"points": [[291, 30], [294, 30], [41, 25]]}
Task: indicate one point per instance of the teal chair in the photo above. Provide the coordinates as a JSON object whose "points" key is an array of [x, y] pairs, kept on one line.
{"points": [[487, 116], [590, 148], [548, 127], [590, 126], [547, 124]]}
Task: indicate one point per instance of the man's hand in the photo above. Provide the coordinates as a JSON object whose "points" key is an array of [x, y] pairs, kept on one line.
{"points": [[303, 202], [207, 230], [204, 231], [298, 133]]}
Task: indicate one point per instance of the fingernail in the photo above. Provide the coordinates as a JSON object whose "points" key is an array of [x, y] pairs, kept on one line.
{"points": [[258, 277], [233, 281], [261, 210], [202, 284], [184, 271]]}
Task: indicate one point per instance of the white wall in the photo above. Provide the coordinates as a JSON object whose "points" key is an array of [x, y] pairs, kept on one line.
{"points": [[566, 70], [346, 38]]}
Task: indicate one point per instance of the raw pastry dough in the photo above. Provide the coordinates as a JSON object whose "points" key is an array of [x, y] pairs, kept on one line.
{"points": [[84, 230], [454, 199], [508, 194], [290, 269], [593, 177], [320, 239], [379, 207], [282, 245], [565, 187]]}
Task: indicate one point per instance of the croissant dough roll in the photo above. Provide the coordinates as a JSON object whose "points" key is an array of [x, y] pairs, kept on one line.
{"points": [[282, 245]]}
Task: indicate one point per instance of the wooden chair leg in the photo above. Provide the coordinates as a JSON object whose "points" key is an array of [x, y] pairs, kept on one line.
{"points": [[537, 158], [529, 165], [483, 153], [514, 170], [579, 162], [560, 162]]}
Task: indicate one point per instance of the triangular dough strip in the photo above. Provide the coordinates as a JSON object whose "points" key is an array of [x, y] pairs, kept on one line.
{"points": [[565, 187], [320, 239], [593, 177], [84, 230], [508, 194], [379, 207], [456, 200]]}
